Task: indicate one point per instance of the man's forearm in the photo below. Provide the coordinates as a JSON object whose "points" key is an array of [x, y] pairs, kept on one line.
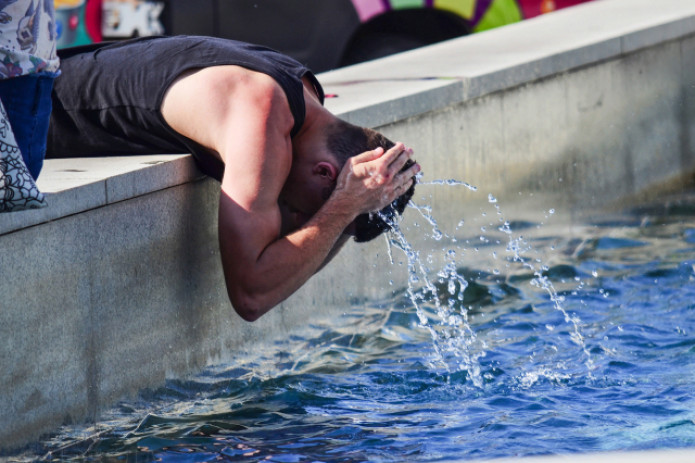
{"points": [[286, 263]]}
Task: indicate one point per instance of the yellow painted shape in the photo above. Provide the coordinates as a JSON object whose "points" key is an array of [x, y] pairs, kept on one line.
{"points": [[67, 3], [463, 8]]}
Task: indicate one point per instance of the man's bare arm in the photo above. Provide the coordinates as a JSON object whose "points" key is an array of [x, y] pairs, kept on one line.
{"points": [[262, 268], [335, 249], [250, 128]]}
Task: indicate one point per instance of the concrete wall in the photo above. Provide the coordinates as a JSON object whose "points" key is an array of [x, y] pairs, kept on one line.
{"points": [[117, 284], [597, 137], [590, 106]]}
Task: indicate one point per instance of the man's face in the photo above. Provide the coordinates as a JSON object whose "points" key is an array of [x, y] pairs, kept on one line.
{"points": [[306, 190]]}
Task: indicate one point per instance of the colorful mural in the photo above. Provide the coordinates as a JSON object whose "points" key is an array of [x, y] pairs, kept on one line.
{"points": [[332, 34], [482, 14]]}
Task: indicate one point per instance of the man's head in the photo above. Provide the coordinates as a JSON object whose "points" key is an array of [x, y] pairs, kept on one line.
{"points": [[345, 140]]}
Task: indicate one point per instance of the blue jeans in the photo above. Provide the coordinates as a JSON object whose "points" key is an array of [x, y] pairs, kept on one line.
{"points": [[27, 100]]}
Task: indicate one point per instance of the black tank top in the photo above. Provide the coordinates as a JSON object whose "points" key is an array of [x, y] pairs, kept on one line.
{"points": [[108, 98]]}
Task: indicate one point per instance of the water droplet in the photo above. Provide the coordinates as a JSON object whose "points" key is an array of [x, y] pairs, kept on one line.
{"points": [[451, 287]]}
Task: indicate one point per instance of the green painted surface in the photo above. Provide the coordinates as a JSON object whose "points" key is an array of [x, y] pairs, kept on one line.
{"points": [[501, 12], [404, 4]]}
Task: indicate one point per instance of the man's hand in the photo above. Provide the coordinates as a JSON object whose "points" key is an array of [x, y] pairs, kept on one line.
{"points": [[372, 180]]}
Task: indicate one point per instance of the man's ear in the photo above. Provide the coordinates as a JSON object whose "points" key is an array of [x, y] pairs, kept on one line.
{"points": [[327, 170]]}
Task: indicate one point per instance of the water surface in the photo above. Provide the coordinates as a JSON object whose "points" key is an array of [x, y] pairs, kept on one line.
{"points": [[554, 344]]}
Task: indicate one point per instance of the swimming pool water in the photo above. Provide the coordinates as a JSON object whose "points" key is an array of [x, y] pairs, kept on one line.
{"points": [[612, 368]]}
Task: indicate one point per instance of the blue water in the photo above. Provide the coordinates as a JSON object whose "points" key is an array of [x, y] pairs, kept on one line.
{"points": [[560, 342]]}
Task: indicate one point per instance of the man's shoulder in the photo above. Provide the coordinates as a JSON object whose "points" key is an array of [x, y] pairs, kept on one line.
{"points": [[232, 81], [221, 84], [210, 105]]}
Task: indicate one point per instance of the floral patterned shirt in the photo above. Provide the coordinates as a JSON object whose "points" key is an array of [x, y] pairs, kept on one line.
{"points": [[27, 37]]}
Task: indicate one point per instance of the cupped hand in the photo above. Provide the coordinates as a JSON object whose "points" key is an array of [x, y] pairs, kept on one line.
{"points": [[372, 180]]}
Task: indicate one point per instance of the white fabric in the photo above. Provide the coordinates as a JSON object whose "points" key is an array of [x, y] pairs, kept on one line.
{"points": [[27, 38]]}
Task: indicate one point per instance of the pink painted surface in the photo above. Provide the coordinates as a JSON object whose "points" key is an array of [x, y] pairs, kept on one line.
{"points": [[368, 8]]}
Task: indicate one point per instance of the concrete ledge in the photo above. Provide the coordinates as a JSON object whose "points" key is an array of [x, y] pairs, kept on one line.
{"points": [[78, 185], [117, 284], [430, 78]]}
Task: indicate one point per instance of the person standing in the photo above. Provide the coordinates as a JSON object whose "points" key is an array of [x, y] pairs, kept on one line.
{"points": [[28, 66]]}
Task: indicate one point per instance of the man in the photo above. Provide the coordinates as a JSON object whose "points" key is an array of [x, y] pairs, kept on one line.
{"points": [[296, 181]]}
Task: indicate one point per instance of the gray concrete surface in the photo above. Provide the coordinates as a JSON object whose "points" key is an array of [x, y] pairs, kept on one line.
{"points": [[117, 284]]}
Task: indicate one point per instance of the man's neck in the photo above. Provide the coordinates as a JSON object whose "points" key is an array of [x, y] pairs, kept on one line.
{"points": [[316, 117]]}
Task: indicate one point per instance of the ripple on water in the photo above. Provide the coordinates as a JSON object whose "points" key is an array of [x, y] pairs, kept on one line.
{"points": [[369, 387]]}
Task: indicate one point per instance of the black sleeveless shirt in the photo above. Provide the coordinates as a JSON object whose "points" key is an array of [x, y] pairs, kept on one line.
{"points": [[108, 98]]}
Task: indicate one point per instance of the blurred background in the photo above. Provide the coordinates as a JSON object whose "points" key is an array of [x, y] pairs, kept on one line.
{"points": [[323, 34]]}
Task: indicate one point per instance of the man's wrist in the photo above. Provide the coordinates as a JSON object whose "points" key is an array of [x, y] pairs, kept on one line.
{"points": [[340, 210]]}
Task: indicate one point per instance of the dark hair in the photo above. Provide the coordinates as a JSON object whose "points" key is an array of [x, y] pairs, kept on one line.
{"points": [[345, 140]]}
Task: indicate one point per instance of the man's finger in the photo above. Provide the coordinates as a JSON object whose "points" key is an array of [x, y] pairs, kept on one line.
{"points": [[399, 162], [368, 155], [392, 154], [410, 172]]}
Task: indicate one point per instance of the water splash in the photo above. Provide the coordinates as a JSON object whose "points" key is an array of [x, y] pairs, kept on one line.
{"points": [[426, 212], [449, 182], [455, 342], [518, 247]]}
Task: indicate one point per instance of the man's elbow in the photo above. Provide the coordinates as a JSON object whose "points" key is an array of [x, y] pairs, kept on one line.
{"points": [[248, 307]]}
